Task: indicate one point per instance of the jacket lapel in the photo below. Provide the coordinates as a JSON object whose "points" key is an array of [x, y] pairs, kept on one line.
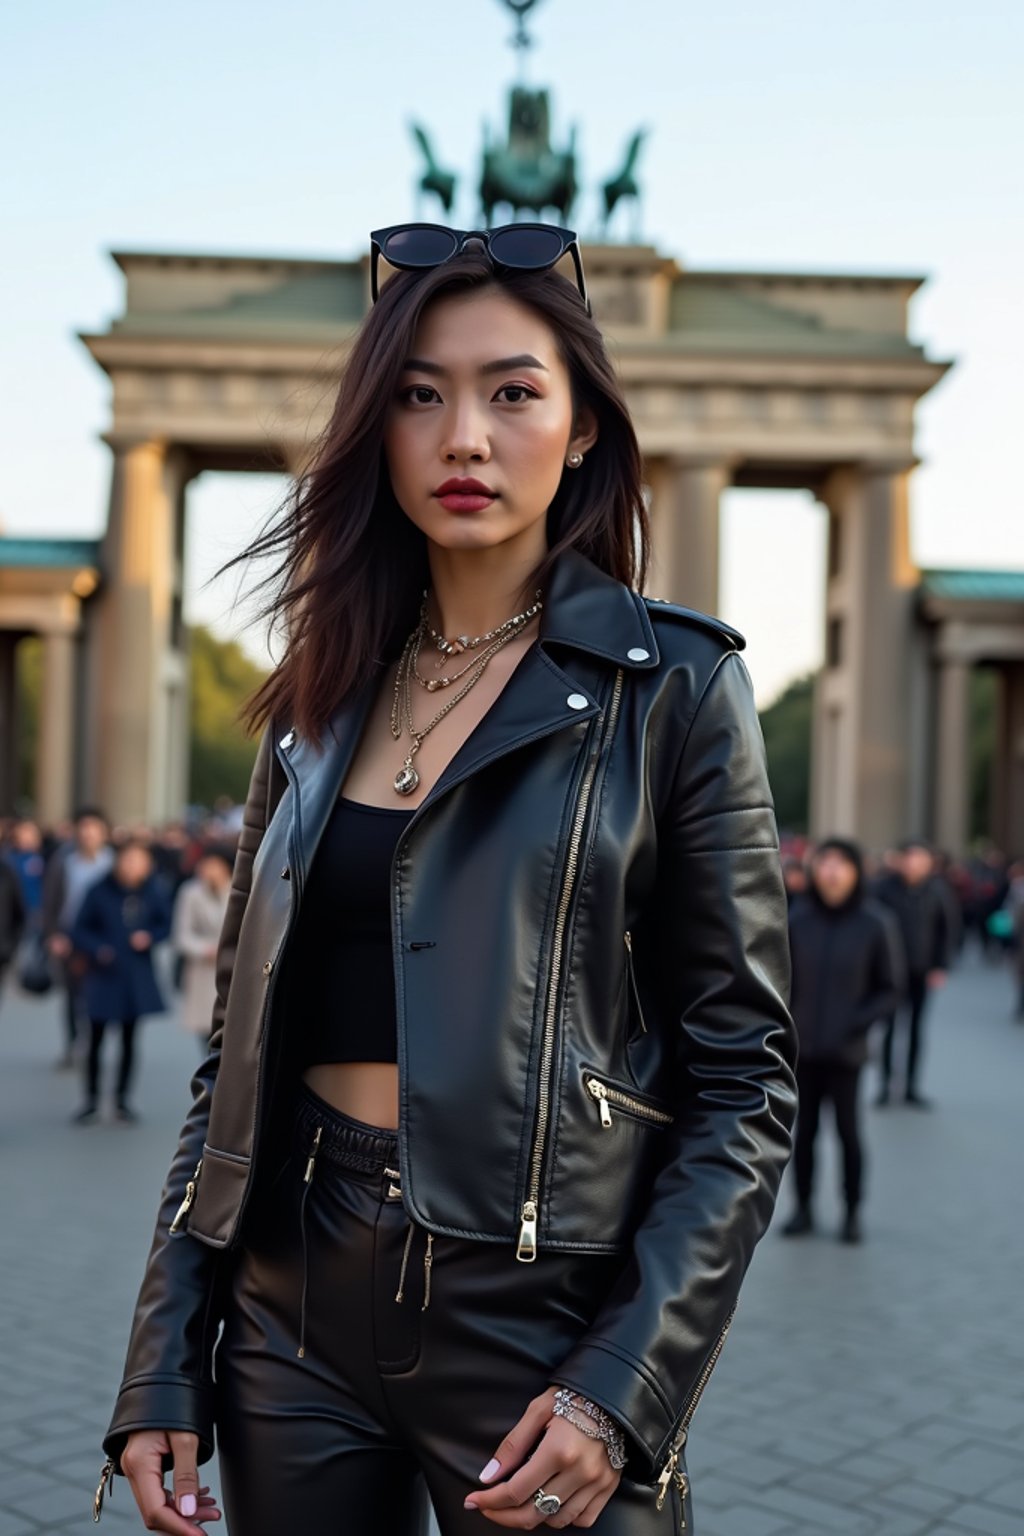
{"points": [[585, 610]]}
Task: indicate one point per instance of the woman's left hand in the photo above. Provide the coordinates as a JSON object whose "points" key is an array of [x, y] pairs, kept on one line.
{"points": [[566, 1462]]}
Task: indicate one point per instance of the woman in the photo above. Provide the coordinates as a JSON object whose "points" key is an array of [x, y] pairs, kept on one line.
{"points": [[199, 910], [501, 1081], [123, 915]]}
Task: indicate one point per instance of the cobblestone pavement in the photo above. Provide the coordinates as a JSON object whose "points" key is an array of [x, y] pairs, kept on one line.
{"points": [[863, 1390]]}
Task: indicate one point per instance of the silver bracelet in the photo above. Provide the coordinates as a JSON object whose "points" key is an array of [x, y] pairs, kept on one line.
{"points": [[593, 1421]]}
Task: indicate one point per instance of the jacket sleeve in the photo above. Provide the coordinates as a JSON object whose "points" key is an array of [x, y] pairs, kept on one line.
{"points": [[160, 913], [88, 932], [647, 1354], [167, 1381]]}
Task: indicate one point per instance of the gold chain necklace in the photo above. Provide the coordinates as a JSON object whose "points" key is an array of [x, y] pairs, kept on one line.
{"points": [[407, 778]]}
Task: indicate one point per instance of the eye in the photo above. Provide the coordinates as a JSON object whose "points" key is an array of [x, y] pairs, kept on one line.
{"points": [[418, 394], [520, 391]]}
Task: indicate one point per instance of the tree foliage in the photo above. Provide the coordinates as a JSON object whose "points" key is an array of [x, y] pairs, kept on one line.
{"points": [[221, 754], [786, 724]]}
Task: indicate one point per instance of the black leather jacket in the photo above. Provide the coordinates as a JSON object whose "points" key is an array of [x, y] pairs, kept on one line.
{"points": [[589, 930]]}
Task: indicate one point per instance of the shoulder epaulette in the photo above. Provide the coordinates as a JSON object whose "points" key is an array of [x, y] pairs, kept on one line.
{"points": [[694, 616]]}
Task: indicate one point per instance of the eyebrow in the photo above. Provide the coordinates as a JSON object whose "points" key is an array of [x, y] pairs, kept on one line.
{"points": [[499, 365]]}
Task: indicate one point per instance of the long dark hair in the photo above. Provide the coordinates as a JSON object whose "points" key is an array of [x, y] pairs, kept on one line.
{"points": [[347, 591]]}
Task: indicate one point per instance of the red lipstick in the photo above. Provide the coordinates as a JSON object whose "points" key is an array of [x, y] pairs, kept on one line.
{"points": [[464, 495]]}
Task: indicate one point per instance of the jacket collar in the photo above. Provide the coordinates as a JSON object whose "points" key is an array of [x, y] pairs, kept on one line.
{"points": [[589, 610]]}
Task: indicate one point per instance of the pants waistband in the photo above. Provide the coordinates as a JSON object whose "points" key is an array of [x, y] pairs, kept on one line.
{"points": [[345, 1141]]}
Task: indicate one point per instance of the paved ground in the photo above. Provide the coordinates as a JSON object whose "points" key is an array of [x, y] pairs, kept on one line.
{"points": [[871, 1390]]}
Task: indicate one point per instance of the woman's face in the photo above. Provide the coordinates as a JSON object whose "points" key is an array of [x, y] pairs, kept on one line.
{"points": [[484, 397]]}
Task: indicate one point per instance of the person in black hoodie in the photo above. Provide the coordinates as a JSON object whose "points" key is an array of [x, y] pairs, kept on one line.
{"points": [[847, 972], [916, 896]]}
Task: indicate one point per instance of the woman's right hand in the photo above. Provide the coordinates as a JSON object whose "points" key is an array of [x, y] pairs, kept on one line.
{"points": [[182, 1512]]}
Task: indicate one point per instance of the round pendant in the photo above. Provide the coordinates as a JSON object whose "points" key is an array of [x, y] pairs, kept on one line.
{"points": [[406, 779]]}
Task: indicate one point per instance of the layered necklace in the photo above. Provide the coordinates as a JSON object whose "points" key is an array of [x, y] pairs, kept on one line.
{"points": [[483, 647]]}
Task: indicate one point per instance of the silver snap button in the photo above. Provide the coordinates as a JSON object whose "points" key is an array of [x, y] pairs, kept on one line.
{"points": [[268, 966], [287, 741], [286, 873], [577, 701], [637, 653]]}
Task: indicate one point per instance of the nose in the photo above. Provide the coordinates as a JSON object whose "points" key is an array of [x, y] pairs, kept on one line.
{"points": [[465, 437]]}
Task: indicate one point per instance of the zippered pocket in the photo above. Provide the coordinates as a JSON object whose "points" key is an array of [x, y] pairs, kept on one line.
{"points": [[612, 1098], [627, 939]]}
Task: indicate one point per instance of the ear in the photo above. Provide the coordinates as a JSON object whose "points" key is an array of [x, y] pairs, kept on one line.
{"points": [[584, 434]]}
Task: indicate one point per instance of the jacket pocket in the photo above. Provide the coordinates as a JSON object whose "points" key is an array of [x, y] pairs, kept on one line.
{"points": [[611, 1098], [636, 1009]]}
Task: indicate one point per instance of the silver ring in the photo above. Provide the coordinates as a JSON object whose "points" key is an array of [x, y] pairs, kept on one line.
{"points": [[547, 1503]]}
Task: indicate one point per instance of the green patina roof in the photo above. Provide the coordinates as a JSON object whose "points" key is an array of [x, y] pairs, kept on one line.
{"points": [[707, 317], [54, 552], [300, 304], [975, 586]]}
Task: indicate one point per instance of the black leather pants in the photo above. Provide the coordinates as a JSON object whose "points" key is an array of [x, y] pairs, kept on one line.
{"points": [[368, 1369]]}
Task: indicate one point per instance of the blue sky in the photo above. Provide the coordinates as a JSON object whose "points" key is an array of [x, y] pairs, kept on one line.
{"points": [[877, 137]]}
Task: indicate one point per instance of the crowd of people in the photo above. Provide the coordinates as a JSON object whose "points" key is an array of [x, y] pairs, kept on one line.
{"points": [[871, 942], [84, 905]]}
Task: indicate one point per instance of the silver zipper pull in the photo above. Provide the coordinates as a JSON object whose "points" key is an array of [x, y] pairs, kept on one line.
{"points": [[105, 1486], [597, 1091], [527, 1249], [312, 1155], [665, 1477], [629, 940], [186, 1204], [428, 1260]]}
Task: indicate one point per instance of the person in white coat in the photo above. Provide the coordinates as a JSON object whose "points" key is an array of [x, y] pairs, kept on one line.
{"points": [[198, 916]]}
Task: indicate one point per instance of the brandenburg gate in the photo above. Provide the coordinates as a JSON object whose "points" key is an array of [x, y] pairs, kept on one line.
{"points": [[733, 378]]}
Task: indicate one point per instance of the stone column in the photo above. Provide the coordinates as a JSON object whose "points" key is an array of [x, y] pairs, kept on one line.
{"points": [[129, 686], [952, 776], [1008, 765], [8, 722], [684, 529], [54, 758], [870, 613]]}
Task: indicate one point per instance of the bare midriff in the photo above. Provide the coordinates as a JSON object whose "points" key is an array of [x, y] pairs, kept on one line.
{"points": [[366, 1090]]}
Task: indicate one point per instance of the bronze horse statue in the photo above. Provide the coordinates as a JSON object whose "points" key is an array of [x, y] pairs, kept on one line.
{"points": [[624, 184], [526, 173], [441, 183]]}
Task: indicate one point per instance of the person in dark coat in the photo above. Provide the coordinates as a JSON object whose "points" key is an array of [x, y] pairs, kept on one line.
{"points": [[847, 973], [123, 915], [12, 915], [915, 895]]}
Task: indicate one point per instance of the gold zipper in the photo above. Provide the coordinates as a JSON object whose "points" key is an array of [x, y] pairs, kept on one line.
{"points": [[105, 1486], [671, 1471], [186, 1204], [628, 938], [526, 1251], [607, 1096]]}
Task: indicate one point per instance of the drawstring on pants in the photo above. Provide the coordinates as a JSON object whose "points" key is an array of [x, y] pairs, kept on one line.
{"points": [[307, 1181], [428, 1261]]}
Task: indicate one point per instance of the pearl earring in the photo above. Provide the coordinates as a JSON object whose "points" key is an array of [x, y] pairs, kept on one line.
{"points": [[575, 459]]}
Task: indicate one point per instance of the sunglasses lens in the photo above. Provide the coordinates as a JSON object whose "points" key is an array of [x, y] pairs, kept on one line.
{"points": [[526, 247], [419, 247]]}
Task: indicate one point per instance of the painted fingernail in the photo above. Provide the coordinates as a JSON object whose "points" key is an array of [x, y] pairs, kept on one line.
{"points": [[468, 1504], [187, 1505], [490, 1470]]}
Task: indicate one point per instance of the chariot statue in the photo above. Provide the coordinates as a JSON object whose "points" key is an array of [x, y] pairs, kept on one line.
{"points": [[525, 173]]}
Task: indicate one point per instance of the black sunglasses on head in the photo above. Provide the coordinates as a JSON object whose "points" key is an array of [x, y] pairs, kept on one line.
{"points": [[514, 247]]}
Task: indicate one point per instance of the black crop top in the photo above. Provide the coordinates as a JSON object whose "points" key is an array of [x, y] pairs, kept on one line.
{"points": [[341, 975]]}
